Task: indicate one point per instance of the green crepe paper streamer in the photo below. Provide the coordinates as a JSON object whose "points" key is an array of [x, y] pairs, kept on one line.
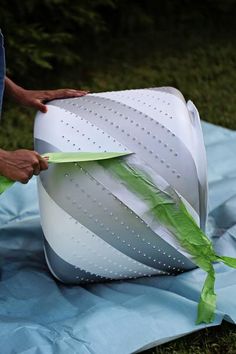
{"points": [[62, 157], [5, 183], [170, 211]]}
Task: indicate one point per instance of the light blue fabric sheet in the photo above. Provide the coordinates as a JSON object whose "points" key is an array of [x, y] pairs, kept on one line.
{"points": [[40, 315]]}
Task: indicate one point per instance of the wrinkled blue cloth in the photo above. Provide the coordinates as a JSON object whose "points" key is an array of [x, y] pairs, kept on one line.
{"points": [[40, 315]]}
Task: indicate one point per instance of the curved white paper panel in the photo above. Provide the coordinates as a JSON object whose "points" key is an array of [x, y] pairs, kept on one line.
{"points": [[95, 229]]}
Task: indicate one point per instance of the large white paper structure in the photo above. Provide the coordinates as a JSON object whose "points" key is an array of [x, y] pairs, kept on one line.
{"points": [[95, 228]]}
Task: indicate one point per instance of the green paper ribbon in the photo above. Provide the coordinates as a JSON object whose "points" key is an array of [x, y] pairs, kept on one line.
{"points": [[5, 183], [62, 157], [167, 207]]}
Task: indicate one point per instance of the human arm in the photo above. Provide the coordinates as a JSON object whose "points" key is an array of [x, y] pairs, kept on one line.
{"points": [[20, 165], [37, 98]]}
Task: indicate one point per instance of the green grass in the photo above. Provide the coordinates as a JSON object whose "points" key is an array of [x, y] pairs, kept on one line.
{"points": [[214, 340], [17, 128], [203, 73]]}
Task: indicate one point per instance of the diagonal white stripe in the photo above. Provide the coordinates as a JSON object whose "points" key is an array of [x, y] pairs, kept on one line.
{"points": [[80, 247], [70, 132]]}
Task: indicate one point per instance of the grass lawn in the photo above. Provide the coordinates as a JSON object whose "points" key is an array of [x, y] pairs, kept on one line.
{"points": [[202, 67], [215, 340]]}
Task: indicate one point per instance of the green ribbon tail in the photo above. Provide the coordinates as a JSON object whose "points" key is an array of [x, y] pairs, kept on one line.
{"points": [[229, 261], [207, 303]]}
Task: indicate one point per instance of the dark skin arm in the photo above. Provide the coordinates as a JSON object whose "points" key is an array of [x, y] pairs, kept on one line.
{"points": [[37, 98], [20, 165]]}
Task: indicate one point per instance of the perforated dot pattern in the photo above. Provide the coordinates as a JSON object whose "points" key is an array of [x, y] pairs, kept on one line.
{"points": [[112, 238]]}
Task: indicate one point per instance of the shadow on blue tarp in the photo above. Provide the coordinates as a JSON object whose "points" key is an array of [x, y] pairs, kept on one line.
{"points": [[40, 315]]}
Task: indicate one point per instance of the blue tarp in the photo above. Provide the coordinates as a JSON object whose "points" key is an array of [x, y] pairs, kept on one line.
{"points": [[40, 315]]}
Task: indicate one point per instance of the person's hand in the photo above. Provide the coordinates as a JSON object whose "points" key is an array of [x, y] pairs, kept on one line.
{"points": [[20, 165], [37, 98]]}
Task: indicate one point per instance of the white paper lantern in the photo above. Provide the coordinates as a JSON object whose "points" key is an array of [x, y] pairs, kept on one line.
{"points": [[95, 228]]}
